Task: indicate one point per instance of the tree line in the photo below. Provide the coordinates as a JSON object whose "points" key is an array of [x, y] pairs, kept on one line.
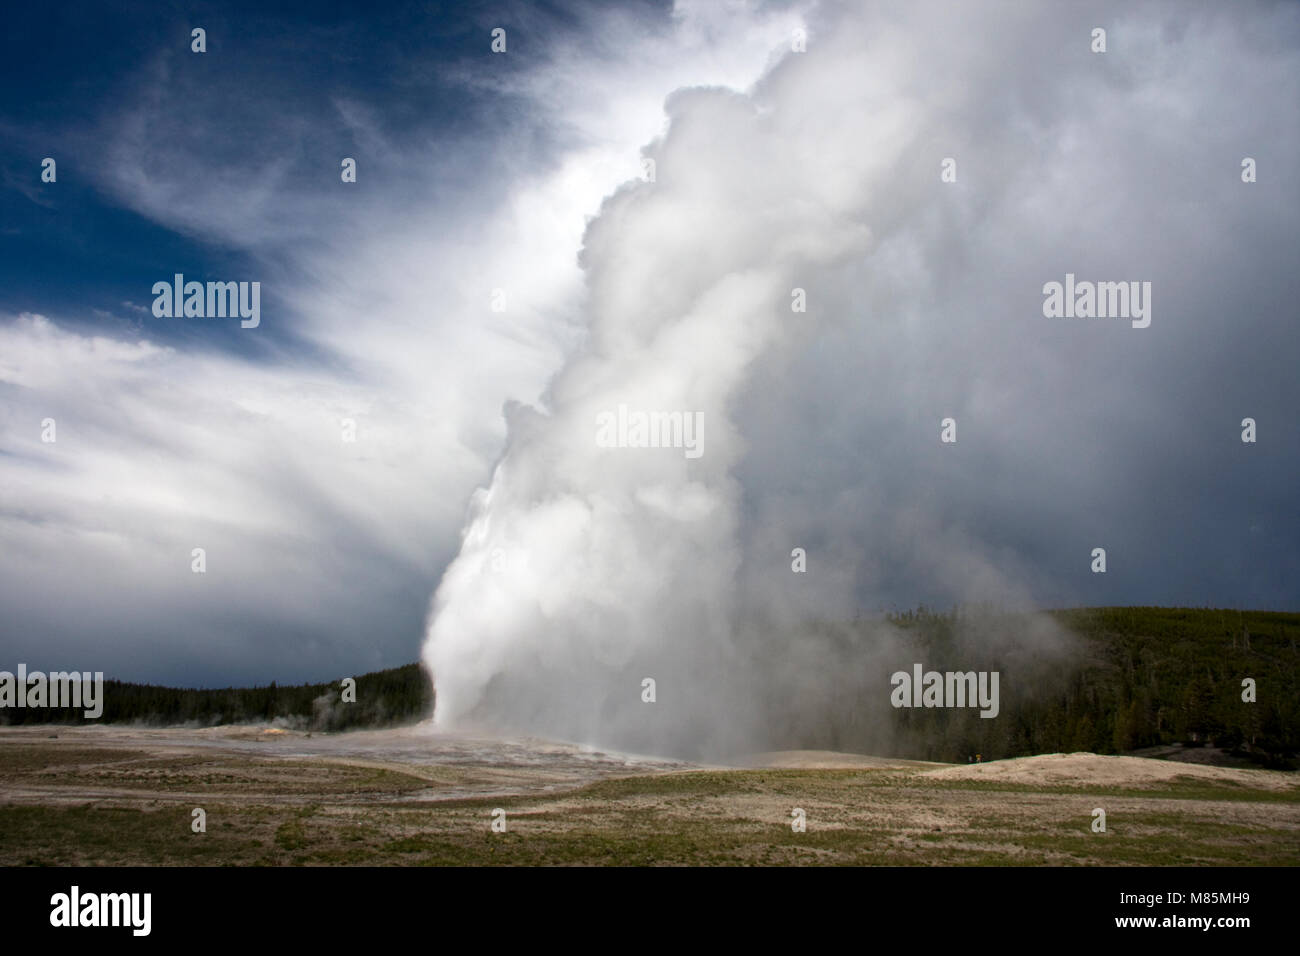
{"points": [[1132, 677], [383, 698], [1110, 680]]}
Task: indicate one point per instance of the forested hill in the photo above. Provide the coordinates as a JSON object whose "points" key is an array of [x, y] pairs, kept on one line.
{"points": [[1136, 677], [1129, 678], [383, 698]]}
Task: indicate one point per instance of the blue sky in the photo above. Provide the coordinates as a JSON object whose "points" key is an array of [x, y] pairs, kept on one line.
{"points": [[269, 83]]}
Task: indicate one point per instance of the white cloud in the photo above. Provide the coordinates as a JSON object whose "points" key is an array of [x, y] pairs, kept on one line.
{"points": [[165, 448]]}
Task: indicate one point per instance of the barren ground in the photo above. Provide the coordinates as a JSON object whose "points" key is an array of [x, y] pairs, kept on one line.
{"points": [[120, 795]]}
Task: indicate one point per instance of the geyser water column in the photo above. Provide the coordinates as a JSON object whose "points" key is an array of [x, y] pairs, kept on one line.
{"points": [[586, 569]]}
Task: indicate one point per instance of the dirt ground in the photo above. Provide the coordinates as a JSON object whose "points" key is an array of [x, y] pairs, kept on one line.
{"points": [[120, 795]]}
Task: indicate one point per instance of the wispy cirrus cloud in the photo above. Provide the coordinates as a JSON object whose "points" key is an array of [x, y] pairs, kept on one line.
{"points": [[377, 310]]}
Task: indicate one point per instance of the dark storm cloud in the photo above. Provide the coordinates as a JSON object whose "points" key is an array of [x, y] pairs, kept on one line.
{"points": [[927, 300]]}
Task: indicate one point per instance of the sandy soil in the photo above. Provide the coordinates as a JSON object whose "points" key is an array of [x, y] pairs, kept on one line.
{"points": [[454, 766], [1098, 771], [121, 795], [828, 760]]}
